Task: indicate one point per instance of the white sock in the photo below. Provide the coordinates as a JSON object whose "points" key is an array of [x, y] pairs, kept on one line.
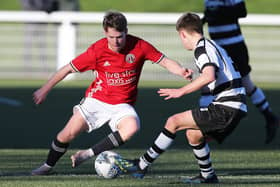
{"points": [[46, 165], [143, 163], [89, 152]]}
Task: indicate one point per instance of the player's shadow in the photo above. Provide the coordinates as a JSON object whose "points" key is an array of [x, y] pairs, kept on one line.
{"points": [[226, 176], [221, 182], [14, 174]]}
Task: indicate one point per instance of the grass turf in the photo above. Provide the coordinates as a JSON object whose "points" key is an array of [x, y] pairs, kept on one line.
{"points": [[234, 167]]}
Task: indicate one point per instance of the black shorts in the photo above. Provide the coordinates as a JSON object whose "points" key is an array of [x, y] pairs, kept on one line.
{"points": [[217, 121], [239, 54]]}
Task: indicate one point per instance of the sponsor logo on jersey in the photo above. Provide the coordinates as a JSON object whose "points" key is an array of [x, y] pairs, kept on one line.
{"points": [[130, 58], [121, 78]]}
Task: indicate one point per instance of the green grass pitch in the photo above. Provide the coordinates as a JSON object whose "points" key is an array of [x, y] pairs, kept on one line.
{"points": [[27, 130], [238, 168]]}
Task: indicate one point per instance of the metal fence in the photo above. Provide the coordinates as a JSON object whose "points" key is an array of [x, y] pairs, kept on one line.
{"points": [[35, 44]]}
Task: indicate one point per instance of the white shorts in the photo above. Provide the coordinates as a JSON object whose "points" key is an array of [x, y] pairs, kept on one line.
{"points": [[97, 113]]}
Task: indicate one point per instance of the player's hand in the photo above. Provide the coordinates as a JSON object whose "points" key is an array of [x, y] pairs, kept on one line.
{"points": [[39, 96], [170, 93], [188, 74]]}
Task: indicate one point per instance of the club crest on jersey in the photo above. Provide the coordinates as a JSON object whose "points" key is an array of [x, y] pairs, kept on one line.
{"points": [[130, 58], [106, 63]]}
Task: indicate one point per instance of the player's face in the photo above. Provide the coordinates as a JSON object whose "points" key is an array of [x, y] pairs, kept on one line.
{"points": [[116, 39]]}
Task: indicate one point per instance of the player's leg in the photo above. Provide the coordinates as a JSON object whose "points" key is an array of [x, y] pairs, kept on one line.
{"points": [[258, 98], [174, 123], [126, 128], [201, 152], [124, 124], [75, 126], [215, 122], [111, 141], [239, 54], [127, 131]]}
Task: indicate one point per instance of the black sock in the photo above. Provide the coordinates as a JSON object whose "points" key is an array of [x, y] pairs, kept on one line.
{"points": [[110, 142], [56, 151]]}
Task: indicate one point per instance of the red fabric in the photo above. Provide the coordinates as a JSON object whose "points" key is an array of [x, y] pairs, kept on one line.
{"points": [[117, 74]]}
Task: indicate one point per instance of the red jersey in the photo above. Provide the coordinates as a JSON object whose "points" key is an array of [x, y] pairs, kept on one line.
{"points": [[117, 74]]}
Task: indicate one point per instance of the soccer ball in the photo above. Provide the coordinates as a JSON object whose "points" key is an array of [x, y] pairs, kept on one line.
{"points": [[105, 165]]}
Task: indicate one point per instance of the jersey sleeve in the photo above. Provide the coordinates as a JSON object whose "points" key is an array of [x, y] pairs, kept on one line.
{"points": [[151, 53], [85, 61], [205, 58]]}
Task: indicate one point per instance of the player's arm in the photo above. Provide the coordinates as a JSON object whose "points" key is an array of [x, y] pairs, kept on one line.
{"points": [[40, 95], [207, 76], [175, 68]]}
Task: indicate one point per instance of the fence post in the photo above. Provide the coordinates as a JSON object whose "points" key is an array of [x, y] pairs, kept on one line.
{"points": [[66, 43]]}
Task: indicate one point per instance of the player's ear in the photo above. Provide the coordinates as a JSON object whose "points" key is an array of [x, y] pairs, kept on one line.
{"points": [[182, 34]]}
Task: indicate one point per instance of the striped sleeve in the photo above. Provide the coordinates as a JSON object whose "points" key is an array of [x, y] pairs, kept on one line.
{"points": [[203, 59]]}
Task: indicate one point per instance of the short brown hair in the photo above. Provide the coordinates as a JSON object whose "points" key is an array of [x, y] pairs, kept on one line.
{"points": [[190, 22], [115, 20]]}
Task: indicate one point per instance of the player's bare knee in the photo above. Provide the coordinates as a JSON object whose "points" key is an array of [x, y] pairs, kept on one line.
{"points": [[66, 137], [127, 133], [62, 139], [131, 132], [171, 124], [194, 136], [128, 127], [126, 137]]}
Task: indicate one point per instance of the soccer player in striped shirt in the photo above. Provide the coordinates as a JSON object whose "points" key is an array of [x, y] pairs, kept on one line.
{"points": [[222, 18], [217, 78]]}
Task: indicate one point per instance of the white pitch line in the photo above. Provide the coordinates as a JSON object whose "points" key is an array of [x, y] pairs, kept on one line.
{"points": [[10, 102]]}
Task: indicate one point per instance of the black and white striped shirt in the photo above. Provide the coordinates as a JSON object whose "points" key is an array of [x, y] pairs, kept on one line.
{"points": [[222, 18], [227, 88]]}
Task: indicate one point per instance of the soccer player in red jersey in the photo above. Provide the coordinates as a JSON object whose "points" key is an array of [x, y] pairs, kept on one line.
{"points": [[117, 61]]}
